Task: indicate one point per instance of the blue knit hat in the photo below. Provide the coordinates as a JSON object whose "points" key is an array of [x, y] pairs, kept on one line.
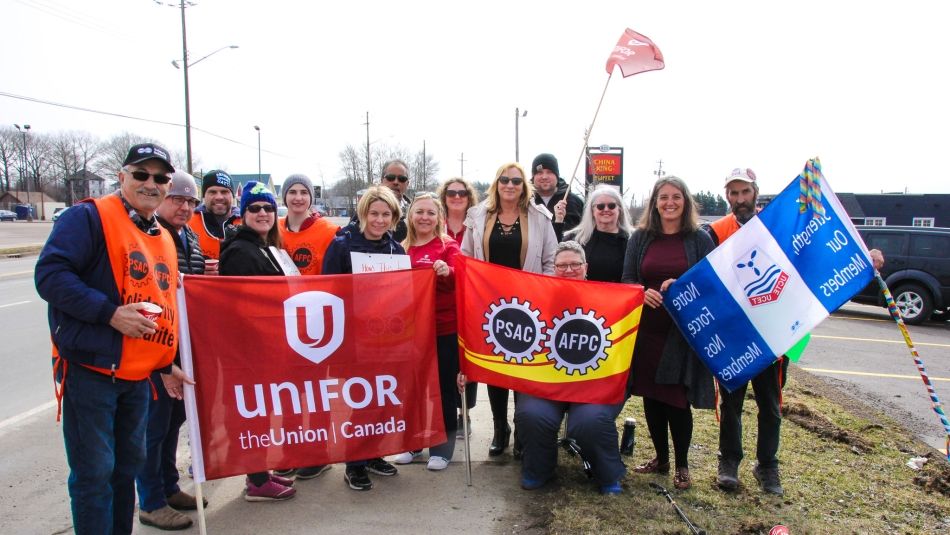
{"points": [[256, 192]]}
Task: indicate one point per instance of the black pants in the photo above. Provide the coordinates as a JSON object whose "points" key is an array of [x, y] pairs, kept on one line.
{"points": [[660, 417], [767, 389]]}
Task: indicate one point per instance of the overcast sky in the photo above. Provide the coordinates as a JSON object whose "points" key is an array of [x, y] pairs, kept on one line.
{"points": [[863, 85]]}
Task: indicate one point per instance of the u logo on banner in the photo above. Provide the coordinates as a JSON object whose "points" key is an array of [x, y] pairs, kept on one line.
{"points": [[314, 324]]}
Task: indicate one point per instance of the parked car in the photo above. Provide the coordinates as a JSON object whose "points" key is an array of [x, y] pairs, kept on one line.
{"points": [[7, 215], [916, 269], [58, 211]]}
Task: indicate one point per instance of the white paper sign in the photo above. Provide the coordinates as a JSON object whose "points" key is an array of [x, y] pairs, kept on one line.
{"points": [[376, 263], [286, 264]]}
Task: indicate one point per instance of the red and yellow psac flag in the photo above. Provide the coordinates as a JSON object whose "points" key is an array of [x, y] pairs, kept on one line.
{"points": [[554, 338], [301, 371]]}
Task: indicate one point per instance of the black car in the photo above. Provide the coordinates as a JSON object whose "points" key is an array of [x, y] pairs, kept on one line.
{"points": [[916, 269]]}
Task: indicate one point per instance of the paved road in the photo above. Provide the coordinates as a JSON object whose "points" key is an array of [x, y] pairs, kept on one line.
{"points": [[16, 233], [861, 349]]}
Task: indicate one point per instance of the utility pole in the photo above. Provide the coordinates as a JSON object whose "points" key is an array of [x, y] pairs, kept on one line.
{"points": [[659, 169], [184, 68], [462, 159], [369, 167], [26, 172], [425, 177], [258, 128]]}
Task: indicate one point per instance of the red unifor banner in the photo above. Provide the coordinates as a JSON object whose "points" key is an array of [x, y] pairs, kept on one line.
{"points": [[550, 337], [303, 371]]}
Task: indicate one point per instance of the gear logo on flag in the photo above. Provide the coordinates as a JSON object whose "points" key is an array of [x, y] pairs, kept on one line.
{"points": [[514, 330], [761, 278], [578, 341]]}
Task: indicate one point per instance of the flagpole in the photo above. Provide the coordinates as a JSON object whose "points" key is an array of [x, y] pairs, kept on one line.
{"points": [[934, 400], [466, 440], [191, 405], [586, 137]]}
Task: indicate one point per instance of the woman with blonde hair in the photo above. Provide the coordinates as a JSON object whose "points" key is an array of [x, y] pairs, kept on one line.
{"points": [[665, 371], [508, 229]]}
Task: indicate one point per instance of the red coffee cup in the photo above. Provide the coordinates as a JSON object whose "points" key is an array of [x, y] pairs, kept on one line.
{"points": [[151, 311]]}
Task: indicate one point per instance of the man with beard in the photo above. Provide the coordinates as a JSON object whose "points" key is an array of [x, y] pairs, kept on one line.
{"points": [[549, 190], [216, 214], [742, 191]]}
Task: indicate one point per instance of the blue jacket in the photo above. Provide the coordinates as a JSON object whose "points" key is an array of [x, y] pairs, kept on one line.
{"points": [[74, 276], [350, 239]]}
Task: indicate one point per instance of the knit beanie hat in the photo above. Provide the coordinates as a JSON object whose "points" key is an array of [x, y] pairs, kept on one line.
{"points": [[183, 185], [545, 161], [216, 178], [293, 180], [256, 192]]}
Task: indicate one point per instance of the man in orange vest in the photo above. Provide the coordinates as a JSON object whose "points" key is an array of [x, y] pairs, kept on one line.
{"points": [[216, 214], [109, 273]]}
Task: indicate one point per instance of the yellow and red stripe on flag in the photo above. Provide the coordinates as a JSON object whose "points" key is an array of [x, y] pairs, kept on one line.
{"points": [[550, 337]]}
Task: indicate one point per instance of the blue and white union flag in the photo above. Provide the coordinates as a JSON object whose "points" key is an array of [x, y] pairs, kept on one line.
{"points": [[772, 282]]}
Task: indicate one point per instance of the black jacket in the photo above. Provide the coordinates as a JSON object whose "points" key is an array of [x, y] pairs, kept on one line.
{"points": [[348, 240], [575, 207], [244, 253], [194, 264]]}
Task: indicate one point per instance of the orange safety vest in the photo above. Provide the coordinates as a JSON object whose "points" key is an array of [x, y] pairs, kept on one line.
{"points": [[307, 247], [210, 244], [145, 269], [725, 226]]}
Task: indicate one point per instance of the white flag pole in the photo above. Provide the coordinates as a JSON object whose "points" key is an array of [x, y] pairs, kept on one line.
{"points": [[191, 406]]}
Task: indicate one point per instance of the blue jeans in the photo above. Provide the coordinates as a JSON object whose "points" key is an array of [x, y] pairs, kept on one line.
{"points": [[159, 477], [594, 427], [104, 435]]}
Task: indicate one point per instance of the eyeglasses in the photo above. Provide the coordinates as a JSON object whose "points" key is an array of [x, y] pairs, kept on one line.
{"points": [[142, 176], [255, 208], [607, 205], [573, 266], [401, 178], [514, 180], [178, 200], [456, 193]]}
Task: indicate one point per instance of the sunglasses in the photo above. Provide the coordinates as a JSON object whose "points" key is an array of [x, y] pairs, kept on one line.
{"points": [[607, 205], [255, 208], [515, 180], [401, 178], [456, 193], [142, 176]]}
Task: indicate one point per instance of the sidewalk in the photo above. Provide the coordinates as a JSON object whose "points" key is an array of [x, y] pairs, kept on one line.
{"points": [[414, 501]]}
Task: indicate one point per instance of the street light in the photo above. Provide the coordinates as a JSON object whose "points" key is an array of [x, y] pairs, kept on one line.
{"points": [[26, 172], [517, 116], [184, 65], [258, 152]]}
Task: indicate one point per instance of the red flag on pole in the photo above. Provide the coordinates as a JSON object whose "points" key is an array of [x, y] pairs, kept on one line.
{"points": [[554, 338], [635, 53]]}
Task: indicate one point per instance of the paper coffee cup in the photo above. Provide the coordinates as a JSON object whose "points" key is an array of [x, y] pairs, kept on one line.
{"points": [[151, 311], [211, 263]]}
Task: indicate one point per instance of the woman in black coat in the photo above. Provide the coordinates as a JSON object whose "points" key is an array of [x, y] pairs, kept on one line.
{"points": [[248, 253]]}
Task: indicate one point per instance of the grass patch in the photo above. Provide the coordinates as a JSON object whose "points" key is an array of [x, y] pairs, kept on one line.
{"points": [[843, 469]]}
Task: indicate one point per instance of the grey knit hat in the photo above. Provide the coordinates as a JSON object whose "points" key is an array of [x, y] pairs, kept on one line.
{"points": [[293, 180]]}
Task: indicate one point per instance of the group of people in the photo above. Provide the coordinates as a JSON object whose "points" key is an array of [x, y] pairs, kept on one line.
{"points": [[107, 352]]}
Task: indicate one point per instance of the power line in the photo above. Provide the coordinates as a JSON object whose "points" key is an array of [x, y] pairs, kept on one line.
{"points": [[75, 17], [123, 116]]}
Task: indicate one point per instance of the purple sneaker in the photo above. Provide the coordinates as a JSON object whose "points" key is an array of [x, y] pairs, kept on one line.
{"points": [[268, 492]]}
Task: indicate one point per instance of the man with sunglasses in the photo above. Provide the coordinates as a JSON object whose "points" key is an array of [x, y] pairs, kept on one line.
{"points": [[395, 177], [217, 215], [160, 498], [549, 190], [106, 261]]}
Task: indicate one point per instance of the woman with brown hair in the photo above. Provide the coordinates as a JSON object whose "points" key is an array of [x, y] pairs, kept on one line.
{"points": [[665, 371]]}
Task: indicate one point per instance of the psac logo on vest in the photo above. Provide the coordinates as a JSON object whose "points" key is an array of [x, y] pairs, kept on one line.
{"points": [[314, 324], [761, 278], [139, 271]]}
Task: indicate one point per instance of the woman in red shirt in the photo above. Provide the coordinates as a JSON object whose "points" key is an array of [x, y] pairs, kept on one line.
{"points": [[428, 246]]}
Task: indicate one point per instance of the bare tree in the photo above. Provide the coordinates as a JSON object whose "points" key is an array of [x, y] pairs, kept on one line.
{"points": [[9, 156], [74, 155], [115, 149], [424, 171]]}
